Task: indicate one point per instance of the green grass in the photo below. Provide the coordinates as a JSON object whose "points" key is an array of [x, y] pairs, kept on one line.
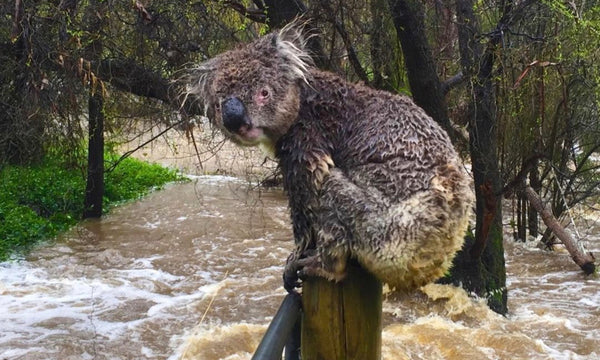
{"points": [[37, 202]]}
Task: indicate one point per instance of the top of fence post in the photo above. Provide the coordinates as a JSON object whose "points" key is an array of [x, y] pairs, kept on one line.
{"points": [[342, 321]]}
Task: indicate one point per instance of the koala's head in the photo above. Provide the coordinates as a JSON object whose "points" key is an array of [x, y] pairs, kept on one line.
{"points": [[252, 93]]}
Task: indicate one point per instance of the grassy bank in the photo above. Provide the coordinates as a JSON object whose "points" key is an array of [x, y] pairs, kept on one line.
{"points": [[37, 202]]}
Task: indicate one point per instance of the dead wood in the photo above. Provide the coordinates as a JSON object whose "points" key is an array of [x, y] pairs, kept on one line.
{"points": [[584, 260]]}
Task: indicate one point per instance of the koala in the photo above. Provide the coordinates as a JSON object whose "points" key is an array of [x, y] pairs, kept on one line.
{"points": [[370, 177]]}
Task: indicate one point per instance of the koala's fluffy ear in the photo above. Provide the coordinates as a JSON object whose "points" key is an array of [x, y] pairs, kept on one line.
{"points": [[198, 85], [290, 45]]}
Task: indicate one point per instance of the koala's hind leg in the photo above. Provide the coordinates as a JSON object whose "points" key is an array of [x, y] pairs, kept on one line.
{"points": [[342, 206]]}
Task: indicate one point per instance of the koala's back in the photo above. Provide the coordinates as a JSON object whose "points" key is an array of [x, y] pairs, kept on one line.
{"points": [[382, 141]]}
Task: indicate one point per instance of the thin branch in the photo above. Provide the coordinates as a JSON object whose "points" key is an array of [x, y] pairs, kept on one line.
{"points": [[352, 56], [127, 75], [128, 153], [530, 37], [586, 194], [519, 179], [191, 132]]}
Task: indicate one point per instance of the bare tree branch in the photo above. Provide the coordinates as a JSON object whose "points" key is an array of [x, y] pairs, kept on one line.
{"points": [[519, 179], [583, 260], [128, 153], [128, 76], [352, 56], [453, 82]]}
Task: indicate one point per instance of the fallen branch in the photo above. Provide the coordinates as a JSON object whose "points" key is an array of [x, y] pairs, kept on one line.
{"points": [[583, 260]]}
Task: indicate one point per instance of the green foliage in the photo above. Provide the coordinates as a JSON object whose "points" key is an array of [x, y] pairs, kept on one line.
{"points": [[20, 224], [132, 179], [37, 202]]}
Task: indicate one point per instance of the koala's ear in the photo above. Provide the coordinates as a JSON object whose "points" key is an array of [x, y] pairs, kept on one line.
{"points": [[294, 34], [290, 45], [198, 84]]}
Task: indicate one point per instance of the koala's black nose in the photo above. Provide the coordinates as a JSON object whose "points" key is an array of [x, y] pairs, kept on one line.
{"points": [[234, 114]]}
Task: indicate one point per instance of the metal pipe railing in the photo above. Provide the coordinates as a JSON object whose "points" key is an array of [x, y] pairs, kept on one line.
{"points": [[292, 346], [284, 330]]}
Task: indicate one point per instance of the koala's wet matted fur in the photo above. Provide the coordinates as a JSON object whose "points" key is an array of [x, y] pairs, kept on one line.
{"points": [[369, 175]]}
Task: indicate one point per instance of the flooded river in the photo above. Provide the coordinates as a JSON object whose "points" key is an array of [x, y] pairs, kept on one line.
{"points": [[194, 272]]}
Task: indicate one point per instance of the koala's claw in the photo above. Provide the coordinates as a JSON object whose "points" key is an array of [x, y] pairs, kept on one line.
{"points": [[291, 280], [291, 274], [297, 268]]}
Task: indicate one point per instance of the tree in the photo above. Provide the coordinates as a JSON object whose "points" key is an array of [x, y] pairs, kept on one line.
{"points": [[425, 85], [480, 265], [94, 190], [21, 126], [546, 111]]}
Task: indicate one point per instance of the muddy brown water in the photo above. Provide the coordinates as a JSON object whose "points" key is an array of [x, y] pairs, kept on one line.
{"points": [[194, 272]]}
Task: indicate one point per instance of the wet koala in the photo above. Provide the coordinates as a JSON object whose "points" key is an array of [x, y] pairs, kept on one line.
{"points": [[370, 177]]}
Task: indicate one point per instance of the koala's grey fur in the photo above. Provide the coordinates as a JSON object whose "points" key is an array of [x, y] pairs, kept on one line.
{"points": [[369, 175]]}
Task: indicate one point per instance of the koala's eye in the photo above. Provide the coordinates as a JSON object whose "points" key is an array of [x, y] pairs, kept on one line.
{"points": [[218, 105], [264, 93]]}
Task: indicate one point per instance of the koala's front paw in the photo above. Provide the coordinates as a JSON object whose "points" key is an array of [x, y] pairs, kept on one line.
{"points": [[311, 263], [295, 267]]}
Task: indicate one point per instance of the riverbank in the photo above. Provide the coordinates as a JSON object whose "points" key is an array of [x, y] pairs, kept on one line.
{"points": [[40, 201], [37, 202]]}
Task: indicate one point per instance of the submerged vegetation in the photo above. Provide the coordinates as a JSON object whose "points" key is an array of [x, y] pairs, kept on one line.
{"points": [[39, 201]]}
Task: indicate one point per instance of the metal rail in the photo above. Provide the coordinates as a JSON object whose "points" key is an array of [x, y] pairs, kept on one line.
{"points": [[284, 331]]}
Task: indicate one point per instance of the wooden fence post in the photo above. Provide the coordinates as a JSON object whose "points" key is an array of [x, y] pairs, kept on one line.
{"points": [[342, 321]]}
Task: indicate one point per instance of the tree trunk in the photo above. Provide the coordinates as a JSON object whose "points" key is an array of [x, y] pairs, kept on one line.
{"points": [[521, 228], [532, 215], [425, 85], [480, 265], [94, 190], [584, 261], [279, 13]]}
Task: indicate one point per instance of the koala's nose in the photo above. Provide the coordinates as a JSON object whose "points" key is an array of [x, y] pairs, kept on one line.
{"points": [[234, 114]]}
